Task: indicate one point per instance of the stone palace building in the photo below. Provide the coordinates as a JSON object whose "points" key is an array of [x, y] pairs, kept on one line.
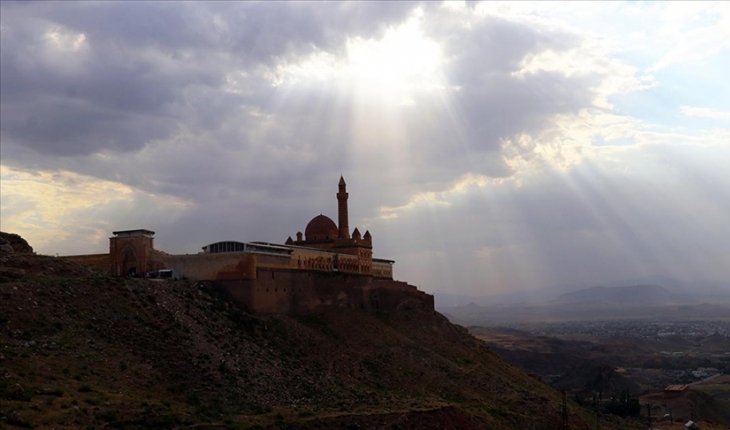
{"points": [[327, 265]]}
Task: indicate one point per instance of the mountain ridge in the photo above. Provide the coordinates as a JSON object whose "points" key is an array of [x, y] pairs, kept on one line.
{"points": [[646, 294]]}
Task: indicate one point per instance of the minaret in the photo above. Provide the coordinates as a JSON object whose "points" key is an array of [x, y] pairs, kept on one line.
{"points": [[344, 227]]}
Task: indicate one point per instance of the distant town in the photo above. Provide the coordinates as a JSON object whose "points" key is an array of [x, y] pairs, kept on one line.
{"points": [[652, 353], [641, 329]]}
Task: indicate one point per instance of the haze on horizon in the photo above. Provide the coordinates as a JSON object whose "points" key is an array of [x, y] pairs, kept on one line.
{"points": [[488, 147]]}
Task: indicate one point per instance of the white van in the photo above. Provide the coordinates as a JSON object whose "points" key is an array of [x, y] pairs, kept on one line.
{"points": [[168, 274]]}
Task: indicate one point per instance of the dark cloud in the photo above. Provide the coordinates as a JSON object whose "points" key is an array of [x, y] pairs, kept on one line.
{"points": [[154, 69], [158, 71], [176, 101], [494, 102], [150, 67]]}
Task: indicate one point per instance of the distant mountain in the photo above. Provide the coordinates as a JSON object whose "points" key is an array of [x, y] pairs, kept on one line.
{"points": [[684, 292], [513, 298], [693, 287], [448, 300], [629, 295]]}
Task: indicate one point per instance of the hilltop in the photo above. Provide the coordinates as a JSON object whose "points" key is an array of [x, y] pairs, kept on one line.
{"points": [[83, 349]]}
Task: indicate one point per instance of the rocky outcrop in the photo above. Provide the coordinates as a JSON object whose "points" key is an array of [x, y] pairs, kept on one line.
{"points": [[17, 260], [12, 243]]}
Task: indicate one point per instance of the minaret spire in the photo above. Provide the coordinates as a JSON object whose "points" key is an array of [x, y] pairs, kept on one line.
{"points": [[342, 221]]}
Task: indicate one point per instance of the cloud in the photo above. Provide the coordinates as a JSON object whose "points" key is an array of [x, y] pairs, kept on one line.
{"points": [[74, 214], [704, 112], [192, 101], [604, 220], [490, 141], [146, 86], [118, 76], [696, 31]]}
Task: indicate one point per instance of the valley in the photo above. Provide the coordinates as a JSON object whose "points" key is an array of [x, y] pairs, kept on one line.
{"points": [[643, 357]]}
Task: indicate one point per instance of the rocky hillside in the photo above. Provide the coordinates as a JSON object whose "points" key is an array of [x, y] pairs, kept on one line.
{"points": [[690, 404], [79, 349], [596, 378]]}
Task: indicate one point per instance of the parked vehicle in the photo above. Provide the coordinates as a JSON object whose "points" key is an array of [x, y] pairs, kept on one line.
{"points": [[168, 274], [164, 274]]}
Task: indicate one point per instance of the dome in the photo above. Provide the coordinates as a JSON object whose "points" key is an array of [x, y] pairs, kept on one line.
{"points": [[321, 228]]}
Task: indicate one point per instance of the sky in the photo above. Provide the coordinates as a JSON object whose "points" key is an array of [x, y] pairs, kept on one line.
{"points": [[488, 147]]}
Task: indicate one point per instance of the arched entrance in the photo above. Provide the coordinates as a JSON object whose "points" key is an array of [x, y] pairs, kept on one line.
{"points": [[129, 262]]}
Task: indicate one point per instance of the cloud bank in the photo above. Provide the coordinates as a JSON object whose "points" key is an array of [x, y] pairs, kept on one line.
{"points": [[488, 147]]}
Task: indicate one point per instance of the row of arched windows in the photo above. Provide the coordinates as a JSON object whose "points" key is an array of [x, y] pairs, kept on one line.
{"points": [[317, 263], [349, 265]]}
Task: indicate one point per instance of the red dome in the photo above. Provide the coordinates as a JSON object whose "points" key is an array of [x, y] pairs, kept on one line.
{"points": [[320, 228]]}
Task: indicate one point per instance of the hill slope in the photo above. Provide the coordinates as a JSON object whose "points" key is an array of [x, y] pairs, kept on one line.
{"points": [[596, 377], [80, 349], [692, 403]]}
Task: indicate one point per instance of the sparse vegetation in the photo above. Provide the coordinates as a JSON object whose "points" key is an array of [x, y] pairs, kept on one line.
{"points": [[128, 353]]}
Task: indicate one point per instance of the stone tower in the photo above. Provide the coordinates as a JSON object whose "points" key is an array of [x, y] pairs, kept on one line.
{"points": [[129, 252], [342, 221]]}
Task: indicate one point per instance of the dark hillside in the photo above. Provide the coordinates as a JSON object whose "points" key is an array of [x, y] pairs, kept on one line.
{"points": [[596, 377], [79, 349], [691, 404]]}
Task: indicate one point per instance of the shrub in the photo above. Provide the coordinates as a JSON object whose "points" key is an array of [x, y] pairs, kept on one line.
{"points": [[106, 415]]}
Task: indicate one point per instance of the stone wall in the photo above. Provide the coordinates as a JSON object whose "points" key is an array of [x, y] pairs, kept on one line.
{"points": [[267, 284], [382, 270], [208, 267], [301, 291], [273, 261]]}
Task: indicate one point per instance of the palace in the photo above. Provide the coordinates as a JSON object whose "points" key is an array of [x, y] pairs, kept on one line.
{"points": [[327, 265]]}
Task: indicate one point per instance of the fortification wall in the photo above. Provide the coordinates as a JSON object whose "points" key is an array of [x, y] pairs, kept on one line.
{"points": [[299, 292], [266, 284], [273, 261], [208, 267], [395, 294], [382, 270], [99, 261]]}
